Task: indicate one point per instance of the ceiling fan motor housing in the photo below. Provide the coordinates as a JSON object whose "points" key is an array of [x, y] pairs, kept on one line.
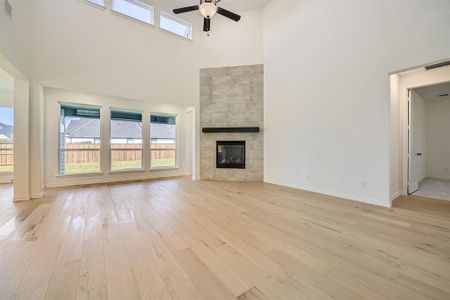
{"points": [[208, 9]]}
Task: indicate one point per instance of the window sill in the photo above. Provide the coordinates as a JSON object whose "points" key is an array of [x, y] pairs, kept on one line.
{"points": [[80, 175], [163, 168], [94, 4], [6, 173], [130, 18], [127, 171]]}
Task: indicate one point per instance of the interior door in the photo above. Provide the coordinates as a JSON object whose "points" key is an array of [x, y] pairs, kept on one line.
{"points": [[416, 147]]}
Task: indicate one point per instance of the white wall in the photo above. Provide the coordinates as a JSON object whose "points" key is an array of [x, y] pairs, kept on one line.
{"points": [[51, 136], [418, 139], [15, 35], [438, 138], [78, 47], [14, 59], [327, 88]]}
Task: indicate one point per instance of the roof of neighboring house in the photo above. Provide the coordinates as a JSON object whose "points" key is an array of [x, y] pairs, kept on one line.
{"points": [[6, 132], [90, 128]]}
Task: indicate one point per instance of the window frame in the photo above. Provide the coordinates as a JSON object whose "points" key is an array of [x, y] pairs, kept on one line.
{"points": [[101, 171], [137, 3], [142, 168], [176, 19], [103, 7], [9, 149], [176, 166]]}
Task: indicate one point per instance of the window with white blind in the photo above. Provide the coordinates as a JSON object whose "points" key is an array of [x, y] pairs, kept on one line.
{"points": [[135, 9], [163, 141], [126, 140], [79, 140]]}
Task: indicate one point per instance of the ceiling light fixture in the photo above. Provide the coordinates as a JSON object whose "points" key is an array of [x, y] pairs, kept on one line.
{"points": [[208, 10]]}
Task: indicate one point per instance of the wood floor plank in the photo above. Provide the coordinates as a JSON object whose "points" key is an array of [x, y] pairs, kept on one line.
{"points": [[205, 281], [182, 239]]}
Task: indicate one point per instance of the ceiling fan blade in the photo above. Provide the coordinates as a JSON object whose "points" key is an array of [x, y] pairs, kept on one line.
{"points": [[185, 9], [228, 14], [206, 25]]}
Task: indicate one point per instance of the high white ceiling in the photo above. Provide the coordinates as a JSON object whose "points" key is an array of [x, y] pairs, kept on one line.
{"points": [[237, 5], [434, 92]]}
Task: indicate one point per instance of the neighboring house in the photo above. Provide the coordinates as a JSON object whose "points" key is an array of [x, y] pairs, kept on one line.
{"points": [[88, 131], [6, 133]]}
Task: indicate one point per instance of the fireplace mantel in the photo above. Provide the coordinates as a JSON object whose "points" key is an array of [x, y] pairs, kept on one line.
{"points": [[230, 129]]}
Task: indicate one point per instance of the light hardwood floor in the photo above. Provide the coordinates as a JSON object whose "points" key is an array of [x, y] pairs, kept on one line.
{"points": [[179, 239]]}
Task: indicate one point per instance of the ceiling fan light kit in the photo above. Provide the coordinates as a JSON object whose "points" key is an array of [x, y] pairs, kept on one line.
{"points": [[208, 8]]}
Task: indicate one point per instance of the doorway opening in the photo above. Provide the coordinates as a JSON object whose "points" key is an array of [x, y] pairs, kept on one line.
{"points": [[6, 135], [419, 139], [429, 141]]}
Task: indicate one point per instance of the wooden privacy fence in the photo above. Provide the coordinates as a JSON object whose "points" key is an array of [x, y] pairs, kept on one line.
{"points": [[6, 154], [87, 153]]}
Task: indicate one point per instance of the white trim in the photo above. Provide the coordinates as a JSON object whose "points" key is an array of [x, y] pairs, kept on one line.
{"points": [[163, 168], [345, 196], [37, 196], [416, 79], [395, 196], [81, 174], [103, 7], [127, 171], [126, 177], [21, 198]]}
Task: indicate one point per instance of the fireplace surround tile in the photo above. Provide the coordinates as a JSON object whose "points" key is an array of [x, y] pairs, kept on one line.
{"points": [[232, 97]]}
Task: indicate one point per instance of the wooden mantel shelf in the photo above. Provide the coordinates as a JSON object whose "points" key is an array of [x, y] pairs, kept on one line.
{"points": [[230, 129]]}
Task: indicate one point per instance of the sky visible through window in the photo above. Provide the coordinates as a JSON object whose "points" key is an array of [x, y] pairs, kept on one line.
{"points": [[98, 2], [133, 10], [177, 27], [7, 115]]}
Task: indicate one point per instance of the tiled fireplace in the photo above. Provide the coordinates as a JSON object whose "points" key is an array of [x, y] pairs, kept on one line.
{"points": [[232, 119]]}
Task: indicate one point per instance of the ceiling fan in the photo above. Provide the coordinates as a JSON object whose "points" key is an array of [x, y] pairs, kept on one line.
{"points": [[208, 8]]}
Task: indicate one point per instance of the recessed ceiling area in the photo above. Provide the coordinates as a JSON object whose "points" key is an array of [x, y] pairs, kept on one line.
{"points": [[435, 92], [238, 5]]}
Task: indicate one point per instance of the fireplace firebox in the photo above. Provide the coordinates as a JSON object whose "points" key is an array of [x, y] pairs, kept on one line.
{"points": [[230, 154]]}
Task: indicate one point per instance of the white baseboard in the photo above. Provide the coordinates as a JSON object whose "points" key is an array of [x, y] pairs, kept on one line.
{"points": [[395, 195], [37, 196], [358, 198], [21, 198]]}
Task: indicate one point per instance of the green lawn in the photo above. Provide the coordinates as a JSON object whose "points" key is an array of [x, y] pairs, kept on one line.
{"points": [[6, 169], [116, 166], [126, 165], [82, 168], [163, 163]]}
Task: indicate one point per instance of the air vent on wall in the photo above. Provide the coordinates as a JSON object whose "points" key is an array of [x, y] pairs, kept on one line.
{"points": [[7, 8], [443, 95]]}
